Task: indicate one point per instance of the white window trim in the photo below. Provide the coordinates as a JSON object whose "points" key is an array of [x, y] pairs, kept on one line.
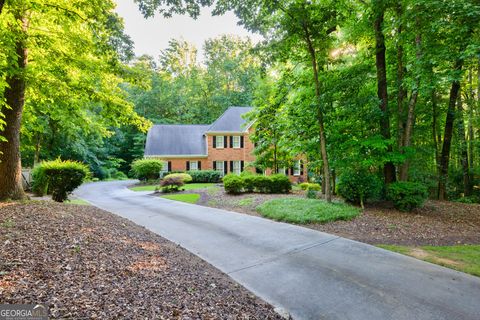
{"points": [[297, 168], [237, 167], [236, 142], [282, 171], [220, 166], [193, 165], [222, 139], [164, 166]]}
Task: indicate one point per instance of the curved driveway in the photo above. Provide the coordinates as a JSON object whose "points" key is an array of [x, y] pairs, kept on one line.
{"points": [[310, 274]]}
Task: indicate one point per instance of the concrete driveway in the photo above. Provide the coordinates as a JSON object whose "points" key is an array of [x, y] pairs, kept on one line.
{"points": [[310, 274]]}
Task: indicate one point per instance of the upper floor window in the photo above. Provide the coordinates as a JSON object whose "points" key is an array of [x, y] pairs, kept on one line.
{"points": [[236, 142], [297, 168], [219, 142]]}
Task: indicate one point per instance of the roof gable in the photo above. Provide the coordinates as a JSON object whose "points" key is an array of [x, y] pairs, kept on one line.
{"points": [[231, 120]]}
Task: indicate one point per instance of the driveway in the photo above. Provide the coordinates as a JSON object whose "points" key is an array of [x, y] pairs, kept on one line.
{"points": [[310, 274]]}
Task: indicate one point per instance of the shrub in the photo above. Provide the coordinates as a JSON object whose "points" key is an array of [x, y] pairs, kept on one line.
{"points": [[248, 182], [205, 176], [59, 178], [40, 180], [310, 186], [358, 186], [186, 178], [171, 184], [262, 183], [279, 183], [311, 194], [407, 196], [146, 169], [233, 183], [468, 199]]}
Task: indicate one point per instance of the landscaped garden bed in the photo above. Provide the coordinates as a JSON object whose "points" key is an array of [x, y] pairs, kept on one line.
{"points": [[86, 263]]}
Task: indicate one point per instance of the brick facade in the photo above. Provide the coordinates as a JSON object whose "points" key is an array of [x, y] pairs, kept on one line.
{"points": [[227, 154]]}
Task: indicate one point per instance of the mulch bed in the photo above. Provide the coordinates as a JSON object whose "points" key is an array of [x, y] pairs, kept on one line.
{"points": [[85, 263], [437, 223]]}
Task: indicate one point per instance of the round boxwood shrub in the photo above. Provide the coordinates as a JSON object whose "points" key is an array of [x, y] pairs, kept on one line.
{"points": [[407, 196], [358, 186], [262, 183], [233, 184], [59, 178], [146, 169], [185, 177], [310, 186]]}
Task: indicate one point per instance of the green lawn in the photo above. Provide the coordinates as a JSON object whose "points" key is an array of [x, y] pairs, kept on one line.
{"points": [[302, 211], [465, 258], [78, 201], [189, 186], [184, 197]]}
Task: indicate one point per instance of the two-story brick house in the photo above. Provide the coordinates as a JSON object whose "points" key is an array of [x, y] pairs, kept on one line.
{"points": [[224, 145]]}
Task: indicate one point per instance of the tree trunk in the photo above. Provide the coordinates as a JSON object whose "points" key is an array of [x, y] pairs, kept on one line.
{"points": [[435, 132], [471, 133], [323, 140], [401, 92], [389, 167], [447, 136], [407, 133], [467, 186], [10, 164]]}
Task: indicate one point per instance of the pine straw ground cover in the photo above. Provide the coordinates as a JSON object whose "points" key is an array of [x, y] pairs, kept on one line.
{"points": [[83, 262]]}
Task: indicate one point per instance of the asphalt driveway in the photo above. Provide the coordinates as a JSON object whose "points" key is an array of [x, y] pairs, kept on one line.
{"points": [[310, 274]]}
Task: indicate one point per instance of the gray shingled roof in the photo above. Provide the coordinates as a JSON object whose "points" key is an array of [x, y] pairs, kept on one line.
{"points": [[231, 120], [176, 140]]}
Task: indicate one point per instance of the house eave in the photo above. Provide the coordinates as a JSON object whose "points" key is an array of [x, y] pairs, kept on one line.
{"points": [[176, 156]]}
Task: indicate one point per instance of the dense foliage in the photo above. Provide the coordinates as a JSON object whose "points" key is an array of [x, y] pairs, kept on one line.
{"points": [[58, 178], [185, 177], [171, 184], [359, 186], [146, 169], [407, 196]]}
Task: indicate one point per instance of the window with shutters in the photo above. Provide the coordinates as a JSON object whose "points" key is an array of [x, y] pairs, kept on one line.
{"points": [[219, 166], [219, 142], [236, 142], [193, 165], [296, 168], [164, 167], [237, 167]]}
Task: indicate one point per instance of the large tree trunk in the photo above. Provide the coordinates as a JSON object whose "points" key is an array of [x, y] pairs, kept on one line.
{"points": [[471, 133], [447, 136], [323, 140], [401, 92], [435, 132], [389, 167], [10, 164], [467, 186]]}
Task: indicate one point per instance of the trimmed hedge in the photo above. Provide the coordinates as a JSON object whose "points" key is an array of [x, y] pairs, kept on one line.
{"points": [[146, 169], [205, 176], [185, 177], [277, 183], [59, 178], [407, 196]]}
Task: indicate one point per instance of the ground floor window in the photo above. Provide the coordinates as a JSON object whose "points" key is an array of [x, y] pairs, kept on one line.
{"points": [[219, 166], [282, 171], [237, 167], [164, 166], [194, 165], [296, 168]]}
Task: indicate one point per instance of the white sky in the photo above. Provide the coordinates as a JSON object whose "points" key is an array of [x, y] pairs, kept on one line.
{"points": [[152, 35]]}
